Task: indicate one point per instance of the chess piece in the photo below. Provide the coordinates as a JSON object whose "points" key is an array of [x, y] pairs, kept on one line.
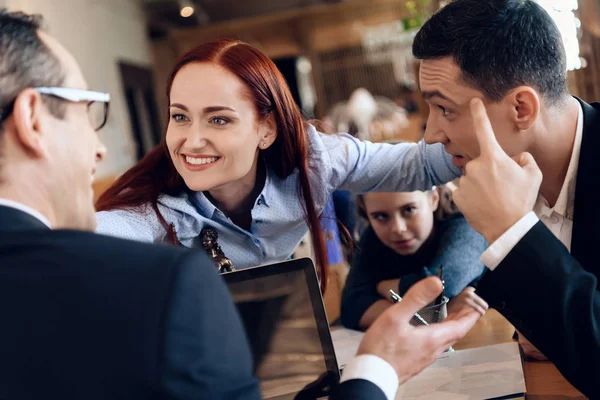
{"points": [[209, 238]]}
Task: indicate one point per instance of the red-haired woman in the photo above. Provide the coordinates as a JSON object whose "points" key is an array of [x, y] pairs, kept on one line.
{"points": [[239, 157]]}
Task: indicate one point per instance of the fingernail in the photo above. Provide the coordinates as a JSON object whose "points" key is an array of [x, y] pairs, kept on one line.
{"points": [[475, 101]]}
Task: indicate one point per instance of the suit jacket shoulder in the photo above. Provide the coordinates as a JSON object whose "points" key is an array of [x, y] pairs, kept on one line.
{"points": [[552, 296], [115, 319]]}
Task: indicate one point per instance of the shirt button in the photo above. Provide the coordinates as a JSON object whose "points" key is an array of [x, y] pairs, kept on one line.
{"points": [[260, 202], [501, 305]]}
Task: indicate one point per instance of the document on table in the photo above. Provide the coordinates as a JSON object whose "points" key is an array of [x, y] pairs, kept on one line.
{"points": [[489, 372]]}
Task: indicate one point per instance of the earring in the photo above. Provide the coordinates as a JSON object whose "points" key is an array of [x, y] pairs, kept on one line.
{"points": [[263, 145]]}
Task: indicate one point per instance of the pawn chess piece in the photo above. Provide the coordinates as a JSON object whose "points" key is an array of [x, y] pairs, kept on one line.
{"points": [[209, 238]]}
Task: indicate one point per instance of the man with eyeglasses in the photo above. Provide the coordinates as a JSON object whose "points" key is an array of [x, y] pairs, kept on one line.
{"points": [[85, 316], [91, 317]]}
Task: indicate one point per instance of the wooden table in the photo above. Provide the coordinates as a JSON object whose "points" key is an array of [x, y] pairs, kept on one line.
{"points": [[542, 379]]}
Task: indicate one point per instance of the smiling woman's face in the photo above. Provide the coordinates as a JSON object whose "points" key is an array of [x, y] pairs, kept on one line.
{"points": [[213, 135]]}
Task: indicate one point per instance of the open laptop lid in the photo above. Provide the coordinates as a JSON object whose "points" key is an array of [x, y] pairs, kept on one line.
{"points": [[283, 313]]}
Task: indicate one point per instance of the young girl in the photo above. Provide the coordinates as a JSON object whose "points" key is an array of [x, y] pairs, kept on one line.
{"points": [[403, 244], [239, 158]]}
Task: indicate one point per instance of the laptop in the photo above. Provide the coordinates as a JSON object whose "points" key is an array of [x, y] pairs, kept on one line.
{"points": [[282, 311]]}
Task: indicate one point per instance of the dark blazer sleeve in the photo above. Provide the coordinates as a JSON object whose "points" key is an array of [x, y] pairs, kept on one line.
{"points": [[358, 389], [206, 350], [548, 296]]}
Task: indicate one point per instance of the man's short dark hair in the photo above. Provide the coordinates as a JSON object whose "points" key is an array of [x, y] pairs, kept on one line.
{"points": [[498, 45], [26, 61]]}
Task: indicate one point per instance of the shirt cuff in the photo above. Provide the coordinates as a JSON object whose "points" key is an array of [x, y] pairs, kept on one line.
{"points": [[375, 370], [498, 250]]}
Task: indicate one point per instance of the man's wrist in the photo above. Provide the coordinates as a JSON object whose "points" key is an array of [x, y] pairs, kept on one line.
{"points": [[374, 369], [494, 232], [499, 249]]}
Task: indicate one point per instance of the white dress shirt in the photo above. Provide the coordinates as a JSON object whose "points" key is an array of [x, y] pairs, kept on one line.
{"points": [[25, 209], [559, 219], [375, 370]]}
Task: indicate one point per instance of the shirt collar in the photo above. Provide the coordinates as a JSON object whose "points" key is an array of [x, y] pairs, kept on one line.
{"points": [[25, 209], [265, 195], [564, 204], [206, 207]]}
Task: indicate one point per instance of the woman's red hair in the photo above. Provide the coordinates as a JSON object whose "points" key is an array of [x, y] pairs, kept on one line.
{"points": [[155, 173]]}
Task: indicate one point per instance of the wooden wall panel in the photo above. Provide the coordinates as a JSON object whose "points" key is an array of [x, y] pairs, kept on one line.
{"points": [[315, 32]]}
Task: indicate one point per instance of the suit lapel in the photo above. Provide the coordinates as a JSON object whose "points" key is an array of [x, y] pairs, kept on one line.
{"points": [[13, 220], [586, 218]]}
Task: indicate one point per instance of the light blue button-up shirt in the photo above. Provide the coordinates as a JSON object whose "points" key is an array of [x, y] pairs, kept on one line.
{"points": [[278, 222]]}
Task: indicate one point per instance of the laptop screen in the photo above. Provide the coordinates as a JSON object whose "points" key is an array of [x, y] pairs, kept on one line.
{"points": [[282, 310]]}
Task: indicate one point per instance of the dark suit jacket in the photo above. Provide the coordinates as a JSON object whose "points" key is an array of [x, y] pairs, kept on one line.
{"points": [[89, 317], [86, 316], [552, 296]]}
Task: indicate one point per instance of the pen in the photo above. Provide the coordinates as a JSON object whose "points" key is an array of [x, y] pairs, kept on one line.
{"points": [[396, 299], [440, 298]]}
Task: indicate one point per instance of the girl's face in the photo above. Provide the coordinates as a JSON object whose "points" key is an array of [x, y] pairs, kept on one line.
{"points": [[402, 221], [214, 134]]}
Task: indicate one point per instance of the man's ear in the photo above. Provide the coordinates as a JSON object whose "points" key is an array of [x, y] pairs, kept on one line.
{"points": [[268, 132], [525, 104], [27, 115]]}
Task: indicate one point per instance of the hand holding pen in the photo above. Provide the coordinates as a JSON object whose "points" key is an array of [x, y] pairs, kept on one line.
{"points": [[407, 348], [396, 299]]}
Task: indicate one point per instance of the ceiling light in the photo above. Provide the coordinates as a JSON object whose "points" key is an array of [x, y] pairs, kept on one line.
{"points": [[186, 8]]}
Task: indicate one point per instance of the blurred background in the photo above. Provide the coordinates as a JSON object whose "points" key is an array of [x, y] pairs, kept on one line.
{"points": [[348, 62]]}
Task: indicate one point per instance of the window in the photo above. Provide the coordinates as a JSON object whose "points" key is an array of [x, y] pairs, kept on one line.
{"points": [[562, 13]]}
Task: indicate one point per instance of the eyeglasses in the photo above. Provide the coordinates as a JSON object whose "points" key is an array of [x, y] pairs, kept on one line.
{"points": [[97, 103]]}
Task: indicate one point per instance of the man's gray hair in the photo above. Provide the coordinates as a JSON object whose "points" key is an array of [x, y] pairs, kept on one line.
{"points": [[26, 61]]}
